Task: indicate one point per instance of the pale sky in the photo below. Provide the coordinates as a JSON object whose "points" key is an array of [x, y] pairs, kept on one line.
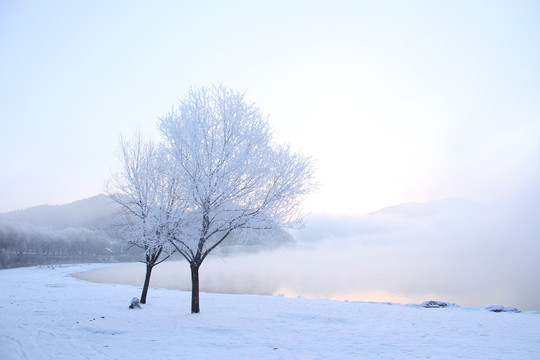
{"points": [[396, 101]]}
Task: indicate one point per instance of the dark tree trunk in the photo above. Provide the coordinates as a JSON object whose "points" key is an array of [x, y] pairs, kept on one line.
{"points": [[194, 288], [149, 268]]}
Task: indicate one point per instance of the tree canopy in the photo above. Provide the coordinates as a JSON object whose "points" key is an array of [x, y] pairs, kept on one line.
{"points": [[219, 172]]}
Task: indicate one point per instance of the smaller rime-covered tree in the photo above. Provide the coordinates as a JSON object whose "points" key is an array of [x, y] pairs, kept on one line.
{"points": [[232, 176], [146, 190]]}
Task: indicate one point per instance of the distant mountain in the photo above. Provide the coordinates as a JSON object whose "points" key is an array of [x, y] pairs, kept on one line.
{"points": [[398, 217], [82, 231], [91, 213], [436, 207], [98, 214]]}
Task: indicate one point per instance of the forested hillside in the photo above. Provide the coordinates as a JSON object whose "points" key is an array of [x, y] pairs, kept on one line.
{"points": [[83, 231], [88, 230]]}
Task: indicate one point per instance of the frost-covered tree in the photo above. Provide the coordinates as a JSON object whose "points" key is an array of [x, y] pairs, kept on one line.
{"points": [[146, 190], [231, 176]]}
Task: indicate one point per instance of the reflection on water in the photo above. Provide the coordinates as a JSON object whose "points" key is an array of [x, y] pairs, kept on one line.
{"points": [[231, 277], [341, 274]]}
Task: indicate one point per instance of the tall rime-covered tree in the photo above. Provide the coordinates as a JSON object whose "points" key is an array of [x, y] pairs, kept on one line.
{"points": [[231, 176], [146, 190]]}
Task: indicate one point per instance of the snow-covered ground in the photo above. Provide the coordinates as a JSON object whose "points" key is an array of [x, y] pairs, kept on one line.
{"points": [[47, 314]]}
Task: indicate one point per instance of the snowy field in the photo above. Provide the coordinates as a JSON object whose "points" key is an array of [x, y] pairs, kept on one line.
{"points": [[48, 314]]}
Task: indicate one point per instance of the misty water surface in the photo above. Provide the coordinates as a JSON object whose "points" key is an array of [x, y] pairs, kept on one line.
{"points": [[470, 255]]}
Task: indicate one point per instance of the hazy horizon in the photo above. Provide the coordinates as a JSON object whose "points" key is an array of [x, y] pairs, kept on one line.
{"points": [[405, 255], [449, 250]]}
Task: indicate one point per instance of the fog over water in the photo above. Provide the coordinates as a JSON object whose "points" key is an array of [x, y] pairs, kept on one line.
{"points": [[449, 250]]}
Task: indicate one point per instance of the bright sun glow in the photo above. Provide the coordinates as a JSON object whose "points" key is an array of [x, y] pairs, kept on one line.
{"points": [[395, 102]]}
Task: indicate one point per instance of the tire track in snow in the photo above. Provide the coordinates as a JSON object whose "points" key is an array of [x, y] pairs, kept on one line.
{"points": [[11, 348]]}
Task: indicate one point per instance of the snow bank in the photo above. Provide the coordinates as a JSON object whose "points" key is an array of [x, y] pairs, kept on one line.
{"points": [[47, 314]]}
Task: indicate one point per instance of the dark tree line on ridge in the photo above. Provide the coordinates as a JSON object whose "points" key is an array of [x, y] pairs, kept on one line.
{"points": [[26, 245]]}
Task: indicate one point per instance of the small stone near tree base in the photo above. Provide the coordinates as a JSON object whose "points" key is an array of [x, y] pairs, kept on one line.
{"points": [[135, 303]]}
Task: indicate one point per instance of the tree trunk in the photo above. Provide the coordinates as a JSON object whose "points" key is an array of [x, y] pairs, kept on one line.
{"points": [[194, 288], [146, 282]]}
